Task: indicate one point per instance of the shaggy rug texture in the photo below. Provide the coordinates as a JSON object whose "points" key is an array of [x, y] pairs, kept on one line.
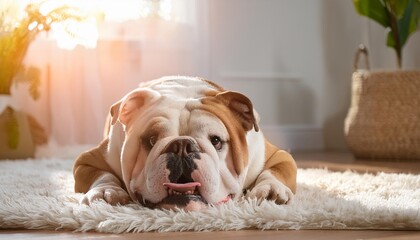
{"points": [[38, 194]]}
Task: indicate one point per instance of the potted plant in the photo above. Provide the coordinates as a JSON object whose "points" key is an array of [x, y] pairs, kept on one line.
{"points": [[382, 121], [16, 35]]}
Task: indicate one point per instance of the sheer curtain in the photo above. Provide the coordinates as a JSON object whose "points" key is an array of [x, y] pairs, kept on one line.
{"points": [[79, 85]]}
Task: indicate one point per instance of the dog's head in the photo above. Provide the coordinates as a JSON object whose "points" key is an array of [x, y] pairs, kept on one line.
{"points": [[182, 150]]}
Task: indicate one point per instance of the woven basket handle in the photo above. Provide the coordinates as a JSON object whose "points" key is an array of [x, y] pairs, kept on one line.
{"points": [[361, 50]]}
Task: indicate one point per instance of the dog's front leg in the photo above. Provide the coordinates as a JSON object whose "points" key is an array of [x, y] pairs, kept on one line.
{"points": [[277, 181], [95, 178], [106, 187]]}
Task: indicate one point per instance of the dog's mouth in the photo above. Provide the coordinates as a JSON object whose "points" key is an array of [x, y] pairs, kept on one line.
{"points": [[186, 189], [186, 196], [182, 195]]}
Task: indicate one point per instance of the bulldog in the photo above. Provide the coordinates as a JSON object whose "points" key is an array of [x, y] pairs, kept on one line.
{"points": [[184, 142]]}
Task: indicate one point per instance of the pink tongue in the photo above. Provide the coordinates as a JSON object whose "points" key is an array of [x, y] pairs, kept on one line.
{"points": [[182, 187]]}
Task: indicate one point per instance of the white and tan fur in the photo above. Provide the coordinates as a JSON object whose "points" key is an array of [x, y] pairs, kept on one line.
{"points": [[119, 170]]}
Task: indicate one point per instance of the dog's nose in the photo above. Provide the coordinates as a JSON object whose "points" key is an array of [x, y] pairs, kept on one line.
{"points": [[182, 147], [181, 154]]}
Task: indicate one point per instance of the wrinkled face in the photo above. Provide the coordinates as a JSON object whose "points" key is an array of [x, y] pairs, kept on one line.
{"points": [[180, 156], [182, 147]]}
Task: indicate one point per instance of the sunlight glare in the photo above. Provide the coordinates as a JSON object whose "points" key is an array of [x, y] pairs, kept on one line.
{"points": [[32, 26], [165, 10], [71, 33]]}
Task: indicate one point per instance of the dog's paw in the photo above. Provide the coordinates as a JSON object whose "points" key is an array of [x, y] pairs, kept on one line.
{"points": [[110, 194], [268, 187], [276, 191]]}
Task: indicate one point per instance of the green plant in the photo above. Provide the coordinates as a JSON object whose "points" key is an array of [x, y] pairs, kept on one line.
{"points": [[17, 31], [16, 35], [400, 17]]}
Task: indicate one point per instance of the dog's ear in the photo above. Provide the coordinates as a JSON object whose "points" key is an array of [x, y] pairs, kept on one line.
{"points": [[114, 112], [242, 107], [124, 109]]}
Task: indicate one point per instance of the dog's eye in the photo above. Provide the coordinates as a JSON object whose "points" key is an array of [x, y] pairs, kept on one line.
{"points": [[152, 140], [216, 142], [149, 141]]}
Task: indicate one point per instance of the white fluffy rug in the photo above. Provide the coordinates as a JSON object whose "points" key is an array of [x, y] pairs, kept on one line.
{"points": [[38, 194]]}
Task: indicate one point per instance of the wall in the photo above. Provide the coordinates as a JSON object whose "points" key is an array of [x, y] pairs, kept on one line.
{"points": [[294, 59], [342, 31], [274, 51]]}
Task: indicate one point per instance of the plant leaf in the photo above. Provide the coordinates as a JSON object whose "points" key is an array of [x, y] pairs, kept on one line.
{"points": [[407, 24], [373, 9], [415, 17], [390, 42], [400, 7], [12, 128], [33, 74]]}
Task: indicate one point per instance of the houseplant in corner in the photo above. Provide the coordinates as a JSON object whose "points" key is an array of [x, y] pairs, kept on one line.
{"points": [[16, 34], [384, 116]]}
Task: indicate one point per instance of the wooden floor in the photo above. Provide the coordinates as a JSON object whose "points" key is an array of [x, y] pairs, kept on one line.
{"points": [[336, 161], [341, 161], [234, 235]]}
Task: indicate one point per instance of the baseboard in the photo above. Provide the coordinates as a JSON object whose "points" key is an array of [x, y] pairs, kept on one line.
{"points": [[295, 138]]}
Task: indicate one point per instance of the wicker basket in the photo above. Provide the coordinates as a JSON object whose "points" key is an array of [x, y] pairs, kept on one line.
{"points": [[384, 117]]}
